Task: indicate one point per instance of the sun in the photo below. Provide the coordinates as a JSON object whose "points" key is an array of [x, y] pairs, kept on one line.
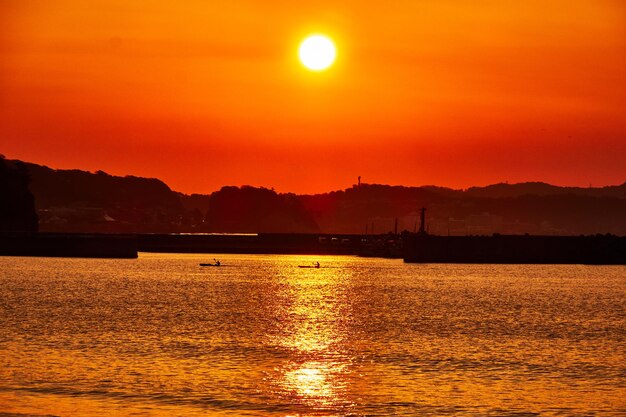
{"points": [[317, 52]]}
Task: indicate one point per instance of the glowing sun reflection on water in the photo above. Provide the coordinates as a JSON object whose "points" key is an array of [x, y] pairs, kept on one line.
{"points": [[314, 322], [313, 382]]}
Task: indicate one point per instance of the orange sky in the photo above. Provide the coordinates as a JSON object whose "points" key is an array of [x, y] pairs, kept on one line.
{"points": [[203, 93]]}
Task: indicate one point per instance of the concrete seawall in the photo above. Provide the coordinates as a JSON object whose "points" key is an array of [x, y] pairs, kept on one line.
{"points": [[127, 246], [598, 249], [68, 245], [517, 249], [263, 243]]}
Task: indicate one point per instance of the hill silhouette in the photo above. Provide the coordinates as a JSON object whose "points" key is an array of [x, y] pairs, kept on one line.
{"points": [[74, 200], [81, 201], [250, 209], [541, 189], [507, 209]]}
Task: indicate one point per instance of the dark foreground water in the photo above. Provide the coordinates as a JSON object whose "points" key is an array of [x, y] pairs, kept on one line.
{"points": [[259, 336]]}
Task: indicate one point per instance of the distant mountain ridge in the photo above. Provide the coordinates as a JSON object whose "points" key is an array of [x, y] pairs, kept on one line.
{"points": [[507, 209], [503, 190], [75, 200]]}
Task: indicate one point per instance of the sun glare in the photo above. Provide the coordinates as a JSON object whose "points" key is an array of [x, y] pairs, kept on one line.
{"points": [[317, 52]]}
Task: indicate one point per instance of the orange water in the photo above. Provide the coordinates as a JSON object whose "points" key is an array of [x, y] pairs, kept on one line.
{"points": [[259, 336]]}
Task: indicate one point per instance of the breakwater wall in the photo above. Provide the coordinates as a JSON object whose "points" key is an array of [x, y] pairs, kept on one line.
{"points": [[262, 243], [597, 249], [516, 249], [68, 245], [127, 246]]}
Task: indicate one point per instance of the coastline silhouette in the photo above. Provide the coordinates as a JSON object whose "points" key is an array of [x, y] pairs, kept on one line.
{"points": [[70, 201]]}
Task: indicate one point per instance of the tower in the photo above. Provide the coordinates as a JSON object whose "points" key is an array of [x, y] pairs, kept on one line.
{"points": [[422, 221]]}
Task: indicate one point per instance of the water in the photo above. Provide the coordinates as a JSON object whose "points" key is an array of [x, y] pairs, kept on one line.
{"points": [[259, 336]]}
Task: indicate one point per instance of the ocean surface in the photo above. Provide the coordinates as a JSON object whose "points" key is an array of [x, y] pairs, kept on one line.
{"points": [[258, 336]]}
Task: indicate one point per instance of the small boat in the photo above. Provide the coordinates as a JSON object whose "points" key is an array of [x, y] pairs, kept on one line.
{"points": [[315, 265], [216, 263]]}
